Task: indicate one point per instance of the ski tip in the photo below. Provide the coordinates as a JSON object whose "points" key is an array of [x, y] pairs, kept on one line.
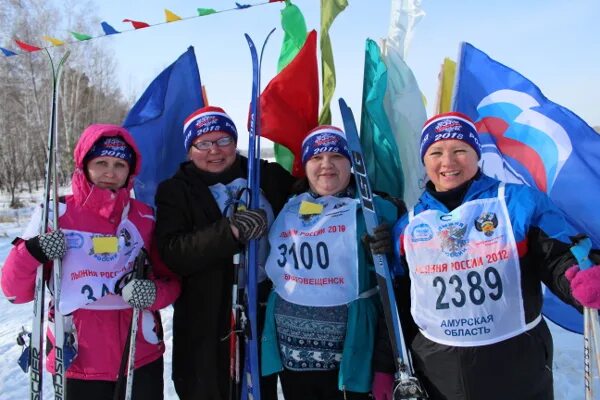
{"points": [[344, 108], [342, 103]]}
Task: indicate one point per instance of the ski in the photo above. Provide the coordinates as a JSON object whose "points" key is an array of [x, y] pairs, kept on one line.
{"points": [[406, 386], [33, 355], [60, 336], [251, 378]]}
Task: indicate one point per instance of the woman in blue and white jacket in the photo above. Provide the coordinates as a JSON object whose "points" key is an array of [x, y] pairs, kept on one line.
{"points": [[322, 314], [475, 251]]}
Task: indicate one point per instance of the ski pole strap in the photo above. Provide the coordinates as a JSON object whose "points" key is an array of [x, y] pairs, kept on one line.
{"points": [[581, 250]]}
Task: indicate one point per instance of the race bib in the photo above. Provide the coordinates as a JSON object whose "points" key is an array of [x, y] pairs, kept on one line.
{"points": [[465, 275], [313, 257]]}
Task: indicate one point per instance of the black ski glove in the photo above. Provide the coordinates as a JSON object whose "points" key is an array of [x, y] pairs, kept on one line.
{"points": [[139, 293], [251, 224], [381, 240], [48, 246]]}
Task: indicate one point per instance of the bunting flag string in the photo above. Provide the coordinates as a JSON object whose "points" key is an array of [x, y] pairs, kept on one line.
{"points": [[108, 29]]}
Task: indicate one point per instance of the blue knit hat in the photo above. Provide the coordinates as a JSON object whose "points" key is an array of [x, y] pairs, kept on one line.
{"points": [[323, 139], [205, 120], [111, 146], [447, 126]]}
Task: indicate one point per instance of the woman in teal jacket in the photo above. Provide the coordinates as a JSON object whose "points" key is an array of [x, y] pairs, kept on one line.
{"points": [[322, 314]]}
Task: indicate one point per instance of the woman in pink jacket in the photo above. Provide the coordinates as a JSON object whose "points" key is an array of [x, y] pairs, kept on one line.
{"points": [[94, 271]]}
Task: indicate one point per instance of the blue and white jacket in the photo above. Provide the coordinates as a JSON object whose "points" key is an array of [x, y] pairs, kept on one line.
{"points": [[541, 234]]}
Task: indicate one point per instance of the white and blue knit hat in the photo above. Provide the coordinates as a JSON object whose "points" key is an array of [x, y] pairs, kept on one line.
{"points": [[323, 139], [447, 126]]}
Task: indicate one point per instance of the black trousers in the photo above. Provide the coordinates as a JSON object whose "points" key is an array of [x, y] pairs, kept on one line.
{"points": [[315, 385], [519, 368], [147, 385]]}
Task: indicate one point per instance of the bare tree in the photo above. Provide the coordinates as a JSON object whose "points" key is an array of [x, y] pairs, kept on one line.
{"points": [[88, 89]]}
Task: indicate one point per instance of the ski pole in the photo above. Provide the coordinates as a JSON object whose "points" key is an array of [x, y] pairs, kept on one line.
{"points": [[591, 341], [140, 263], [126, 367], [237, 312]]}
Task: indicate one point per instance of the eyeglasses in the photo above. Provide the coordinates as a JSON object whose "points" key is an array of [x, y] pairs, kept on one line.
{"points": [[207, 144]]}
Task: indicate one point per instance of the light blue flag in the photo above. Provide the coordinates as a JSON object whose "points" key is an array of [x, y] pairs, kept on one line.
{"points": [[403, 99], [156, 122], [376, 137]]}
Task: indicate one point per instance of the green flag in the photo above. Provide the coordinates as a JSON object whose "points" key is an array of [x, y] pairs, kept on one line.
{"points": [[294, 28], [81, 36], [206, 11], [329, 10], [376, 137]]}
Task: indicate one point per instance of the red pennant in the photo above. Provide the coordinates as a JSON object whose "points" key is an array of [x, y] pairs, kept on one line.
{"points": [[27, 47], [290, 103], [137, 24]]}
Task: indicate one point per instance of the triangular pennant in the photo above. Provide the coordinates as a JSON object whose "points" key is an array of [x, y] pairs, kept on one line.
{"points": [[81, 36], [242, 6], [171, 17], [108, 29], [137, 24], [7, 52], [54, 41], [206, 11], [27, 47]]}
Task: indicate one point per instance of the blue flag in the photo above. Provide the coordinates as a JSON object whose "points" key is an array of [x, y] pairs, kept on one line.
{"points": [[528, 139], [156, 122]]}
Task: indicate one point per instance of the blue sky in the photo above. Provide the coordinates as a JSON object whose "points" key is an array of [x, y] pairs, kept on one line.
{"points": [[553, 43]]}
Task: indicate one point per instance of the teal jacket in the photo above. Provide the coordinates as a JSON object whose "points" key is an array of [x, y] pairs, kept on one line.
{"points": [[355, 374]]}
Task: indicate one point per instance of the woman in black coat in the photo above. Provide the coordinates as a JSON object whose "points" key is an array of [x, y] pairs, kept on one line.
{"points": [[197, 240]]}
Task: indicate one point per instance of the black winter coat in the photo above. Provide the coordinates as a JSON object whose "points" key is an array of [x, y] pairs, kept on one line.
{"points": [[196, 242]]}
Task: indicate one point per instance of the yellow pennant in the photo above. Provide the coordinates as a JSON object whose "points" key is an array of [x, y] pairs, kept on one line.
{"points": [[105, 244], [310, 208], [171, 16], [54, 41]]}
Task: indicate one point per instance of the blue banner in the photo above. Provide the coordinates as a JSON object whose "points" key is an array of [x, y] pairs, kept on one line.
{"points": [[528, 139], [156, 122]]}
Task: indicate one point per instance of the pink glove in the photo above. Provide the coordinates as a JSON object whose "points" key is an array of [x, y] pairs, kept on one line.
{"points": [[585, 285], [383, 384]]}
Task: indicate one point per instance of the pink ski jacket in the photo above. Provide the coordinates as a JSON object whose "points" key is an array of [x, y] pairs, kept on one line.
{"points": [[100, 334]]}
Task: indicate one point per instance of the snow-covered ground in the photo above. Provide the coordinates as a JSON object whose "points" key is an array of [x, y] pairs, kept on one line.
{"points": [[568, 347]]}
